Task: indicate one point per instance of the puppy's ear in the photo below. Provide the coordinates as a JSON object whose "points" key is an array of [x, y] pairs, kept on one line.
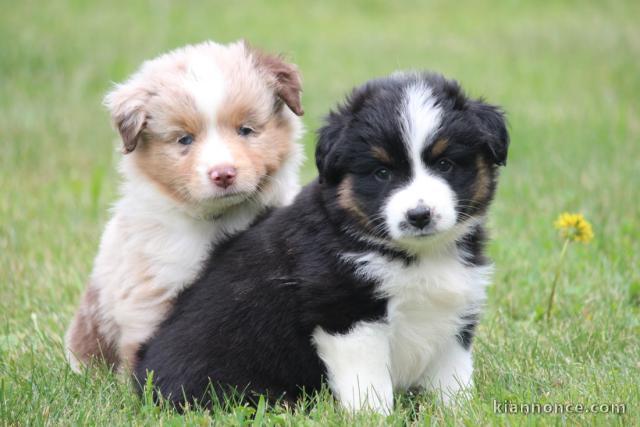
{"points": [[288, 82], [327, 157], [126, 104], [493, 130], [330, 159]]}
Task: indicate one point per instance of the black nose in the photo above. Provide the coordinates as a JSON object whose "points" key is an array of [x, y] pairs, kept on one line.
{"points": [[419, 217]]}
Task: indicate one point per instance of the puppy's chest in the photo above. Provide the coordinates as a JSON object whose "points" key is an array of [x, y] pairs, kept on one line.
{"points": [[150, 260], [427, 301], [174, 258]]}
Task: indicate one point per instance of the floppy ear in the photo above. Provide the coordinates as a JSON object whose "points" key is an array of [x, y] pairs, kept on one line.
{"points": [[328, 155], [126, 104], [287, 78], [326, 150], [493, 130]]}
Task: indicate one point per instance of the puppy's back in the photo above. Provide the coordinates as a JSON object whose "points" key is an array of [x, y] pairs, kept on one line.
{"points": [[231, 325]]}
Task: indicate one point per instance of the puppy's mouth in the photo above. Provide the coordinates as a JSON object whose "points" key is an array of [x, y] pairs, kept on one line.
{"points": [[409, 231], [231, 195], [431, 237], [216, 205], [229, 198]]}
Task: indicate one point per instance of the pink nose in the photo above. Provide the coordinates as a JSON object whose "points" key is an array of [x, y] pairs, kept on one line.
{"points": [[223, 176]]}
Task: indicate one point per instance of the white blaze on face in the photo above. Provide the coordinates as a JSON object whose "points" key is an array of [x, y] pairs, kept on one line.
{"points": [[420, 119], [206, 84]]}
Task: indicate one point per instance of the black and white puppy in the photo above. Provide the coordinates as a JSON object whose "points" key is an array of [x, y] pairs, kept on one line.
{"points": [[372, 279]]}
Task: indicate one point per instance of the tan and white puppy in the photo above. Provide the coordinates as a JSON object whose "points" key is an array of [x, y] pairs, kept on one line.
{"points": [[209, 134]]}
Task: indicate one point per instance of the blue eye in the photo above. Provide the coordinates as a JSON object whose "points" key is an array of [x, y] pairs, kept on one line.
{"points": [[186, 140], [245, 131], [382, 174]]}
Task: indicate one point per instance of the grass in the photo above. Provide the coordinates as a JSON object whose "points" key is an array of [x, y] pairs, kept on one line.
{"points": [[568, 74]]}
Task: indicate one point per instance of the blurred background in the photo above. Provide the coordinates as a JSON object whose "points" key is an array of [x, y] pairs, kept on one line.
{"points": [[566, 72]]}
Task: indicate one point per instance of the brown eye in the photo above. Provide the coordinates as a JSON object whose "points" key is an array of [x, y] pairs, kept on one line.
{"points": [[186, 139], [245, 131], [444, 165]]}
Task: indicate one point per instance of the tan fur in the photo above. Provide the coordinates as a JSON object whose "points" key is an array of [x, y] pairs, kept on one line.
{"points": [[171, 213], [83, 334], [172, 112], [347, 201], [288, 83], [438, 147], [261, 153], [481, 186], [381, 154]]}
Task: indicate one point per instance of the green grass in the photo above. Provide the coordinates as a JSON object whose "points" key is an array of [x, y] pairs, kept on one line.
{"points": [[567, 73]]}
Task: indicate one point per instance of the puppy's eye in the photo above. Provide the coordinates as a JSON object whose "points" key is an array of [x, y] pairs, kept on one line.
{"points": [[186, 139], [444, 165], [382, 174], [245, 131]]}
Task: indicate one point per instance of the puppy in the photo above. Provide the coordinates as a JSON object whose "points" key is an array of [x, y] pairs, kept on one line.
{"points": [[373, 278], [209, 134]]}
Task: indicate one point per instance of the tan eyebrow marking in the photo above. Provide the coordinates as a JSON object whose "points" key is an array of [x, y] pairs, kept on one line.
{"points": [[381, 154], [439, 146]]}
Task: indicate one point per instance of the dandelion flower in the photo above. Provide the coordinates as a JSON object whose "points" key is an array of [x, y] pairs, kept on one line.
{"points": [[574, 227]]}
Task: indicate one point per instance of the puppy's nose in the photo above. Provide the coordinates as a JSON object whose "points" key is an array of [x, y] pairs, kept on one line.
{"points": [[419, 217], [223, 175]]}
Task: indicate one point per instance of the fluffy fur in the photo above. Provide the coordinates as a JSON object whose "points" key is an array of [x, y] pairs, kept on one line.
{"points": [[373, 279], [209, 135]]}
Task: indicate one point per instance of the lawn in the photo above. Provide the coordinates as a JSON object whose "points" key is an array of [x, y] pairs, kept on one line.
{"points": [[567, 73]]}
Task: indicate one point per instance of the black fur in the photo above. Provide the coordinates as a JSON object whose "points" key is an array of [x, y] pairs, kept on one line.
{"points": [[248, 320], [246, 323], [465, 336]]}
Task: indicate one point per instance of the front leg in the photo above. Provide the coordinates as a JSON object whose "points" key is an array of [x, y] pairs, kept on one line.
{"points": [[450, 372], [138, 316], [357, 366]]}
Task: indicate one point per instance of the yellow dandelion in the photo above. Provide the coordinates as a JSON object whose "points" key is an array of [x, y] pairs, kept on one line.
{"points": [[574, 227]]}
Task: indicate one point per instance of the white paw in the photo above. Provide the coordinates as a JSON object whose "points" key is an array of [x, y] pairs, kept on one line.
{"points": [[450, 375], [355, 399], [358, 366], [74, 363]]}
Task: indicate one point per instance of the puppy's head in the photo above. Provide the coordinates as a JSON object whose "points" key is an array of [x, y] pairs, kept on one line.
{"points": [[208, 124], [410, 160]]}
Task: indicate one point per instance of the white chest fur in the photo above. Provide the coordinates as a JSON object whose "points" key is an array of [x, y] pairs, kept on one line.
{"points": [[428, 300], [149, 252]]}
